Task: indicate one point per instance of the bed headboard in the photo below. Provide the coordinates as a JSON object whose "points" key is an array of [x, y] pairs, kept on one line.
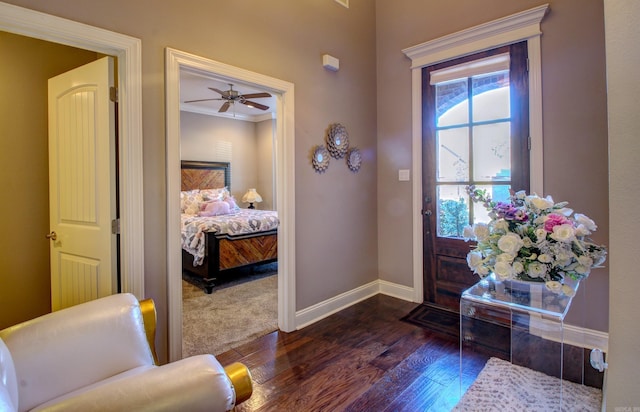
{"points": [[205, 175]]}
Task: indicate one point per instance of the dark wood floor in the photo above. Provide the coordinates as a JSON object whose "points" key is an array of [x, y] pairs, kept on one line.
{"points": [[363, 358]]}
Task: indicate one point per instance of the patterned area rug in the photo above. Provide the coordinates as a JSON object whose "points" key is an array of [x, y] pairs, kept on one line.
{"points": [[502, 386], [229, 317]]}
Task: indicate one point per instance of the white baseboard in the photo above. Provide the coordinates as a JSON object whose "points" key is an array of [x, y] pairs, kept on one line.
{"points": [[319, 311], [396, 291], [572, 335]]}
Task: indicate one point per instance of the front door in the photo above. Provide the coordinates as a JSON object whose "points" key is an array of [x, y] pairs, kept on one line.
{"points": [[475, 132], [82, 190]]}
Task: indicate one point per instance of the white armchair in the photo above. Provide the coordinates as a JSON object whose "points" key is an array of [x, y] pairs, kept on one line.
{"points": [[98, 356]]}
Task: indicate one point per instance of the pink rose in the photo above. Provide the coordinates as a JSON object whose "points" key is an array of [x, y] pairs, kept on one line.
{"points": [[553, 220]]}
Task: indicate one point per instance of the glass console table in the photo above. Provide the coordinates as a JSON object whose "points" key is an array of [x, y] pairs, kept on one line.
{"points": [[519, 322]]}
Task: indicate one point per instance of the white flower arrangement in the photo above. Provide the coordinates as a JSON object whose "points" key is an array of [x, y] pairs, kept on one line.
{"points": [[533, 239]]}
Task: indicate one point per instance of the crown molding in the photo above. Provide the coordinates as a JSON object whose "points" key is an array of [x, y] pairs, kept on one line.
{"points": [[506, 30]]}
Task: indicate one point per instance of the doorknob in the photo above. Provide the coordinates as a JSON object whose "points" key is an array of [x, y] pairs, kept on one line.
{"points": [[427, 212], [52, 236]]}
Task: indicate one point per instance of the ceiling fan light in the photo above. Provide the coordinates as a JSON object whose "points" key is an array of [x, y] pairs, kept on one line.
{"points": [[231, 96]]}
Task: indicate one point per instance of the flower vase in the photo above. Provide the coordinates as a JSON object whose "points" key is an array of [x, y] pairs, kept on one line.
{"points": [[521, 290], [523, 285]]}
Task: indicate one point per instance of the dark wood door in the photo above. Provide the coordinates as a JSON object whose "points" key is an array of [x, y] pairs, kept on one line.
{"points": [[475, 132]]}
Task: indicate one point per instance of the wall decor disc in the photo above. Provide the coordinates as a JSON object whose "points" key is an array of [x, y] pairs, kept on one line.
{"points": [[337, 140], [320, 159], [354, 160]]}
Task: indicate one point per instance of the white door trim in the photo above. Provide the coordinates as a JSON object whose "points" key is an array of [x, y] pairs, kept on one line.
{"points": [[285, 183], [43, 26], [507, 30]]}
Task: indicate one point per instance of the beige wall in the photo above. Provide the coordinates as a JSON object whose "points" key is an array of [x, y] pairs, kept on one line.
{"points": [[24, 172], [574, 117], [335, 212], [265, 131], [623, 60]]}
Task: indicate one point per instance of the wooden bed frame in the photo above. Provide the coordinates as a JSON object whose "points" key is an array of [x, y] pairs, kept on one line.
{"points": [[223, 253]]}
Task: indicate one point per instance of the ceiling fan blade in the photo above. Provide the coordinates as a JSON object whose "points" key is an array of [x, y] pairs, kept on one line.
{"points": [[199, 100], [218, 91], [254, 104], [256, 95], [224, 107]]}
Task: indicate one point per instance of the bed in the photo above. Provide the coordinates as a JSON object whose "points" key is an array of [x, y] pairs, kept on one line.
{"points": [[219, 237]]}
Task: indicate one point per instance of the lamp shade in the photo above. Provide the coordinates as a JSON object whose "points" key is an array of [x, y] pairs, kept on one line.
{"points": [[252, 196]]}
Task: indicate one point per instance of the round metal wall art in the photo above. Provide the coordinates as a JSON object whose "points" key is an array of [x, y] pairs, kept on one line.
{"points": [[337, 140], [354, 160], [320, 159]]}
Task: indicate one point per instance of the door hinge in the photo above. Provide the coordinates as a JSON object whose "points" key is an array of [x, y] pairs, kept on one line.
{"points": [[527, 65], [115, 226], [528, 142], [113, 94]]}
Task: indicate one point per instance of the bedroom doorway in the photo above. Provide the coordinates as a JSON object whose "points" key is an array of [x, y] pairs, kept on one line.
{"points": [[284, 197], [227, 277]]}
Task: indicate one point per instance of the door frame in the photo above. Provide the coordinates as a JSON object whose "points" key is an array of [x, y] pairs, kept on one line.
{"points": [[176, 60], [523, 26], [30, 23]]}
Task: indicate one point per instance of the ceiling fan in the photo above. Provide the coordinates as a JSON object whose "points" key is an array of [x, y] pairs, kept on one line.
{"points": [[232, 96]]}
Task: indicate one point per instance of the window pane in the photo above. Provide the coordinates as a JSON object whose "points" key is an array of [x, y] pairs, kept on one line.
{"points": [[492, 152], [453, 210], [453, 155], [491, 98], [452, 103], [498, 193]]}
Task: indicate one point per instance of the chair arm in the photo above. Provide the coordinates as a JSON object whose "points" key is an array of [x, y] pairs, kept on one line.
{"points": [[197, 383], [240, 377], [238, 373], [87, 343]]}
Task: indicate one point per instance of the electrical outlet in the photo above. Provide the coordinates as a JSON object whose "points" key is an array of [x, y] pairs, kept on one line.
{"points": [[597, 360]]}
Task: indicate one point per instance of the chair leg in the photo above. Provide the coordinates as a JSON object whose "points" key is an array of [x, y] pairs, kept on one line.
{"points": [[240, 377]]}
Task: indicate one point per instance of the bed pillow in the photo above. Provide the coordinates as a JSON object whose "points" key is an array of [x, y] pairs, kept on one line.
{"points": [[233, 206], [190, 201], [214, 194], [215, 208]]}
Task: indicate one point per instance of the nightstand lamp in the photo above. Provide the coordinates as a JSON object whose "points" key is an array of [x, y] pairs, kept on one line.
{"points": [[251, 197]]}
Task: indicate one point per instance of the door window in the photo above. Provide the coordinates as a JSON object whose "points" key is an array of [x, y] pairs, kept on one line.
{"points": [[473, 139]]}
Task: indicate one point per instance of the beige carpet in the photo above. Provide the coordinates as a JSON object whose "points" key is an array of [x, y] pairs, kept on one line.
{"points": [[501, 386], [228, 317]]}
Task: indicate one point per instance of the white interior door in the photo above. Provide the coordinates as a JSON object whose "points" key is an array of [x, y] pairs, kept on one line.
{"points": [[82, 191]]}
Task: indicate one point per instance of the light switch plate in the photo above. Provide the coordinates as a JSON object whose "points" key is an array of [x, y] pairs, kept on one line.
{"points": [[344, 3], [403, 175]]}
